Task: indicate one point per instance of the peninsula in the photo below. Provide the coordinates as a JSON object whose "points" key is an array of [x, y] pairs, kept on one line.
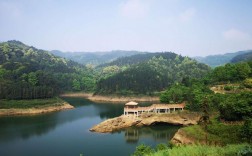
{"points": [[32, 107], [145, 116]]}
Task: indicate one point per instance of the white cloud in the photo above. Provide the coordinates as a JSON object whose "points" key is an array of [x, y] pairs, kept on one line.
{"points": [[187, 15], [236, 35], [135, 8]]}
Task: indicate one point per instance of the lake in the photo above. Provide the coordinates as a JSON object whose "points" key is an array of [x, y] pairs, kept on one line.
{"points": [[67, 132]]}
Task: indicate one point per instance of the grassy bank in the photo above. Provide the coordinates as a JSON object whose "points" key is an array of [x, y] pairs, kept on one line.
{"points": [[217, 133], [34, 103], [203, 150]]}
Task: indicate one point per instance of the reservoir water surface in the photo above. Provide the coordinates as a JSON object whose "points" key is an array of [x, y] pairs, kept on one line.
{"points": [[67, 132]]}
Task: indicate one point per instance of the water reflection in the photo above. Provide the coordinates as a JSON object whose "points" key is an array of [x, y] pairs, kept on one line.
{"points": [[158, 133], [27, 126], [37, 135]]}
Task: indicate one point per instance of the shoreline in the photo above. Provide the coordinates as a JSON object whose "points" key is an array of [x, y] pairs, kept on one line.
{"points": [[121, 122], [34, 111], [103, 98]]}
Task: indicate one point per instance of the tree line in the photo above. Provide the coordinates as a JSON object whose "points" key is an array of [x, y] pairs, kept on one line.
{"points": [[28, 73]]}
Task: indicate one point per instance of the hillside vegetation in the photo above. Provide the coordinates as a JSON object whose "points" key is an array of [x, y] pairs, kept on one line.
{"points": [[147, 73], [226, 118], [29, 73]]}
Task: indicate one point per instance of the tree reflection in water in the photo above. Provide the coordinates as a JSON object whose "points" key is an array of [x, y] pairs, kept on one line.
{"points": [[157, 132]]}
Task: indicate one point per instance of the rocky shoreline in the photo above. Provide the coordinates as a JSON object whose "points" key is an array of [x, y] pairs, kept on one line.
{"points": [[180, 138], [121, 122], [120, 99], [34, 111]]}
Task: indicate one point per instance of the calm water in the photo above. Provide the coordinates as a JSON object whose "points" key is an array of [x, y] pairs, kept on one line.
{"points": [[67, 133]]}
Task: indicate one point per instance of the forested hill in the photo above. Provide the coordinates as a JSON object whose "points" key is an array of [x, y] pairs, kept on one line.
{"points": [[27, 72], [138, 58], [242, 57], [218, 60], [94, 58], [147, 73]]}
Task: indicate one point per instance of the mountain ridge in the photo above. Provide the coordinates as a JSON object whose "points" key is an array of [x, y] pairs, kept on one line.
{"points": [[219, 59], [94, 58]]}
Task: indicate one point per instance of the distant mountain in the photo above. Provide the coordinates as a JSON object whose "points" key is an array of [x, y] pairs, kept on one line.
{"points": [[147, 73], [94, 58], [242, 57], [218, 60]]}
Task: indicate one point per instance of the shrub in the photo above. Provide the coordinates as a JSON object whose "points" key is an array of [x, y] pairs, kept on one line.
{"points": [[143, 150], [246, 151], [247, 83], [228, 88], [246, 130]]}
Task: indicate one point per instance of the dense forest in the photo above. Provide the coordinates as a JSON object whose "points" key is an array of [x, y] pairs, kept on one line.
{"points": [[149, 73], [28, 73], [233, 104]]}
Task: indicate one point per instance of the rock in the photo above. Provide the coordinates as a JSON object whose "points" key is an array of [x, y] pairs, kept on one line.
{"points": [[122, 122], [181, 138]]}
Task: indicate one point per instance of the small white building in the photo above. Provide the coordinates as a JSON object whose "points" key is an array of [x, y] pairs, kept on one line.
{"points": [[131, 108]]}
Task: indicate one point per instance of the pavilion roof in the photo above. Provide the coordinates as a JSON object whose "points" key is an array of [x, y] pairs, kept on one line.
{"points": [[131, 103]]}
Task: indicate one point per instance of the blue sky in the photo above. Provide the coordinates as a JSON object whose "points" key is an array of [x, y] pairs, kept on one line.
{"points": [[187, 27]]}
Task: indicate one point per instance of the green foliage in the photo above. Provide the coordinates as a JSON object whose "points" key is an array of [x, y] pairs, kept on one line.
{"points": [[245, 151], [148, 73], [223, 133], [194, 93], [32, 79], [204, 150], [246, 130], [161, 147], [217, 133], [28, 73], [231, 72], [228, 88], [174, 94], [34, 103], [76, 85], [143, 150], [248, 83], [236, 106]]}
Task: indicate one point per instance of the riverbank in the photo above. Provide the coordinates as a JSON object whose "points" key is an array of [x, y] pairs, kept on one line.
{"points": [[217, 133], [112, 98], [146, 119], [32, 107]]}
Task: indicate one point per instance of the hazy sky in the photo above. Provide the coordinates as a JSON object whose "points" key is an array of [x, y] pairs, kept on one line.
{"points": [[187, 27]]}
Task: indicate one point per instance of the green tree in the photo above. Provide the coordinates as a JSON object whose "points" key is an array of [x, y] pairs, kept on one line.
{"points": [[246, 131], [32, 78], [175, 94], [243, 70], [236, 106], [76, 85], [88, 83], [142, 150]]}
